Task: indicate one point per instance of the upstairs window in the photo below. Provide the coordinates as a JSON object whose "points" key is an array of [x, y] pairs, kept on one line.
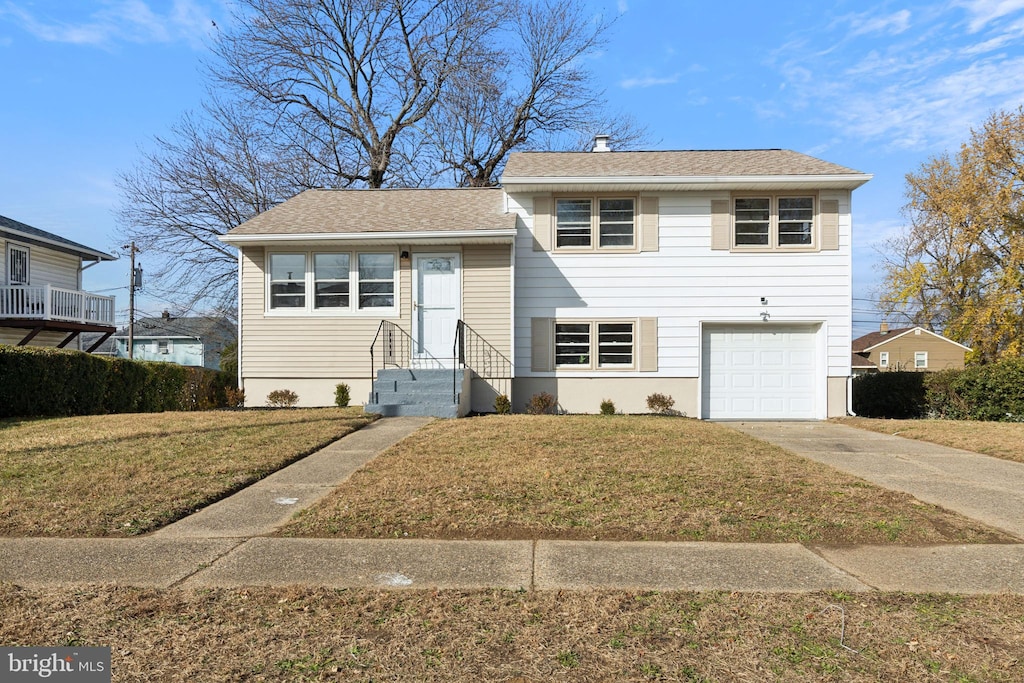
{"points": [[772, 222], [17, 264], [595, 223]]}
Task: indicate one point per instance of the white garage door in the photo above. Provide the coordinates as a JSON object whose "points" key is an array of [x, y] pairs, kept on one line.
{"points": [[764, 372]]}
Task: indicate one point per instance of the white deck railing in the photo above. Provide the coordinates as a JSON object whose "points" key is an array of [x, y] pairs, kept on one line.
{"points": [[55, 303]]}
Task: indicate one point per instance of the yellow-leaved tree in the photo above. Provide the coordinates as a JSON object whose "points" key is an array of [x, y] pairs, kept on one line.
{"points": [[959, 265]]}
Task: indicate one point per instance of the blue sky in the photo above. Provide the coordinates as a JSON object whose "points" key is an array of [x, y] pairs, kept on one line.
{"points": [[876, 86]]}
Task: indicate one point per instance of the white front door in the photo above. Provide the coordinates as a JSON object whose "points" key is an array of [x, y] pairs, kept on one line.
{"points": [[437, 307]]}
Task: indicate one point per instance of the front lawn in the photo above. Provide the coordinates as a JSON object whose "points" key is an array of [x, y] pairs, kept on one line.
{"points": [[998, 439], [617, 478], [120, 475], [310, 634]]}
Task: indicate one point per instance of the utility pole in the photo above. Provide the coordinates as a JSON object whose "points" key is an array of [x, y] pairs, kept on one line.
{"points": [[134, 282]]}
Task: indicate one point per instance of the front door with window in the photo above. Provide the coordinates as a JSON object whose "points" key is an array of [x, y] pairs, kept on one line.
{"points": [[437, 307]]}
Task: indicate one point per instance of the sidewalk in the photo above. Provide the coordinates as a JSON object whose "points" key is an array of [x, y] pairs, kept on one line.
{"points": [[224, 544]]}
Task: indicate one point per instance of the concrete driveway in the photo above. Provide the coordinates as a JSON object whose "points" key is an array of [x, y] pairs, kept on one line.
{"points": [[987, 489]]}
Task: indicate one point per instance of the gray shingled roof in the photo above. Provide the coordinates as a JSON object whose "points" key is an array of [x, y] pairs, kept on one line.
{"points": [[677, 164], [873, 338], [384, 211], [56, 241]]}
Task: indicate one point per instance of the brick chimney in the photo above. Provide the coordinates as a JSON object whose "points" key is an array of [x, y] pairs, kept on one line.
{"points": [[883, 328]]}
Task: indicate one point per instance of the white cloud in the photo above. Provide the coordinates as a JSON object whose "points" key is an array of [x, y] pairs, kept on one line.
{"points": [[118, 21], [648, 81], [892, 24], [984, 12], [623, 6], [922, 89]]}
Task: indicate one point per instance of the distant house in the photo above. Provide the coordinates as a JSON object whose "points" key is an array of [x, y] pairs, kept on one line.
{"points": [[42, 302], [860, 365], [195, 341], [908, 348]]}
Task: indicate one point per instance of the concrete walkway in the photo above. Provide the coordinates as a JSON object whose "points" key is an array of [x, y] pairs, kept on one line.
{"points": [[224, 545]]}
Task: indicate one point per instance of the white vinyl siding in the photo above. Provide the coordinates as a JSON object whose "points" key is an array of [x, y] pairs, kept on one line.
{"points": [[686, 283]]}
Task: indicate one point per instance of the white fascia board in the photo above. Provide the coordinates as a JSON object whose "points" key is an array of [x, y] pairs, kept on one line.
{"points": [[498, 236], [849, 181], [82, 251]]}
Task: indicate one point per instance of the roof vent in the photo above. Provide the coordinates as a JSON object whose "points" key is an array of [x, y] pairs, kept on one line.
{"points": [[601, 143]]}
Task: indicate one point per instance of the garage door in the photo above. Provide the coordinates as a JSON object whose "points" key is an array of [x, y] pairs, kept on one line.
{"points": [[764, 372]]}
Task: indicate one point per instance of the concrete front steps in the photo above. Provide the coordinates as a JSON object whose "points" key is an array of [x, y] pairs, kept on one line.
{"points": [[399, 392]]}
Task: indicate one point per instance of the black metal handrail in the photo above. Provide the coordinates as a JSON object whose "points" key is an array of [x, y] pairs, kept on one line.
{"points": [[396, 347], [472, 352]]}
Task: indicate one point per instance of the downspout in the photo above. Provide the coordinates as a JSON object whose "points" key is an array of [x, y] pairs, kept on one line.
{"points": [[849, 397], [238, 341]]}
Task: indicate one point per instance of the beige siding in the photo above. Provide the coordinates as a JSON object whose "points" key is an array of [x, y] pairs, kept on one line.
{"points": [[46, 266], [313, 353], [306, 346], [13, 335], [942, 354], [487, 293]]}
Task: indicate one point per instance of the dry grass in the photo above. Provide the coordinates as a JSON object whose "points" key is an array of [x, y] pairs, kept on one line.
{"points": [[998, 439], [617, 478], [314, 634], [118, 475]]}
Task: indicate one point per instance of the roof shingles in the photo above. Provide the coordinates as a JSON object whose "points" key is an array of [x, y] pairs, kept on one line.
{"points": [[384, 211], [679, 164]]}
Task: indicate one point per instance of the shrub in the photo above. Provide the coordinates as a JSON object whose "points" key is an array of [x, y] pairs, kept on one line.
{"points": [[540, 404], [989, 392], [607, 407], [899, 395], [502, 405], [342, 395], [661, 404], [282, 398], [57, 382], [234, 398]]}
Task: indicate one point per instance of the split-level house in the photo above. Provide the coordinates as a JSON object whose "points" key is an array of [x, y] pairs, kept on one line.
{"points": [[42, 302], [719, 278]]}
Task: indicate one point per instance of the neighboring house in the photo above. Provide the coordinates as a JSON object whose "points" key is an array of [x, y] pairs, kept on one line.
{"points": [[720, 278], [860, 365], [42, 302], [196, 341], [909, 348]]}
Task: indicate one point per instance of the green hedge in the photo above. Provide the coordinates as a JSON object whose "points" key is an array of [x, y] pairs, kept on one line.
{"points": [[983, 392], [37, 381]]}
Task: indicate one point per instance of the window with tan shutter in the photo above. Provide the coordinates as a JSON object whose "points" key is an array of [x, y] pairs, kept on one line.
{"points": [[595, 223]]}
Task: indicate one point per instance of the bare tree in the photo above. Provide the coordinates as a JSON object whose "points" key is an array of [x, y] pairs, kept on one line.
{"points": [[353, 75], [356, 93], [533, 90], [214, 171]]}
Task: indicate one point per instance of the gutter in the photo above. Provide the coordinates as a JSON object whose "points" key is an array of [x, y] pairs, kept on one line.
{"points": [[499, 235]]}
